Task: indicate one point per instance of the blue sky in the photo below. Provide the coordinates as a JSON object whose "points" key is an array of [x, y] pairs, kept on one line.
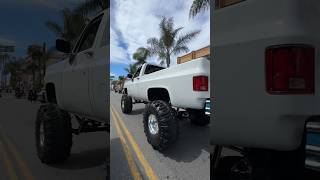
{"points": [[22, 22], [134, 21]]}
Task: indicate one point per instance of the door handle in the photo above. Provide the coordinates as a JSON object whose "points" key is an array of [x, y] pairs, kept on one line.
{"points": [[89, 54]]}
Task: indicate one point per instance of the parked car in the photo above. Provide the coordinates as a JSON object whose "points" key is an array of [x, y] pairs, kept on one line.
{"points": [[184, 86], [119, 87], [41, 96], [266, 88], [19, 93], [32, 95], [75, 86]]}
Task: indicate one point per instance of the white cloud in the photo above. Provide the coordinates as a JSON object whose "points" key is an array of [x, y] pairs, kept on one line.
{"points": [[113, 74], [118, 53], [137, 20]]}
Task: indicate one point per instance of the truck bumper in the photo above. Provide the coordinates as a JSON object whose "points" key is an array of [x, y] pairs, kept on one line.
{"points": [[207, 107], [313, 145]]}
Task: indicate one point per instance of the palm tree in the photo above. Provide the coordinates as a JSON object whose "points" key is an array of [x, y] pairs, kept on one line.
{"points": [[141, 55], [35, 52], [93, 6], [121, 78], [169, 42], [131, 69], [198, 6], [73, 24], [13, 67]]}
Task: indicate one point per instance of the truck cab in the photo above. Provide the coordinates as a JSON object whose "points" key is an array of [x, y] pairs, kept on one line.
{"points": [[132, 83], [78, 83]]}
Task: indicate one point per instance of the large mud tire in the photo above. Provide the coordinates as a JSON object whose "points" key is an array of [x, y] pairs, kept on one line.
{"points": [[167, 128], [126, 104], [53, 134]]}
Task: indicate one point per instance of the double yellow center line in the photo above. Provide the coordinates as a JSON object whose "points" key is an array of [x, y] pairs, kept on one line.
{"points": [[132, 165], [7, 148]]}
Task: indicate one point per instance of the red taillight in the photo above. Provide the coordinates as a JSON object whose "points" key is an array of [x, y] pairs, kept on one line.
{"points": [[200, 83], [290, 69]]}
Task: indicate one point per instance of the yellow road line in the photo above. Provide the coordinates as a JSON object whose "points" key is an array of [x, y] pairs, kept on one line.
{"points": [[21, 163], [8, 164], [131, 163], [149, 171]]}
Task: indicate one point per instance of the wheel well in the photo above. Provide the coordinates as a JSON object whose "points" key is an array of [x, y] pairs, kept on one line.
{"points": [[158, 94], [51, 93]]}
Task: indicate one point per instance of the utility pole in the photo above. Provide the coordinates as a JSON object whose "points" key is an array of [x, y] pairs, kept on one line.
{"points": [[44, 59]]}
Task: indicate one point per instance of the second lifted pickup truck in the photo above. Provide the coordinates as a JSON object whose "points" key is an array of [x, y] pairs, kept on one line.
{"points": [[183, 86], [75, 87]]}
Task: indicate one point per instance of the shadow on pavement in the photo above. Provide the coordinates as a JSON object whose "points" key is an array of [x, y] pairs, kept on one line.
{"points": [[136, 111], [192, 141], [84, 159]]}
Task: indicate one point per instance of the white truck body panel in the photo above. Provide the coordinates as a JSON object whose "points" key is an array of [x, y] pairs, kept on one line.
{"points": [[244, 114], [177, 80], [82, 86]]}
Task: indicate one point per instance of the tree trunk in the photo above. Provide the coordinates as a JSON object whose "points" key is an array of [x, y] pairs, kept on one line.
{"points": [[44, 68], [44, 61], [39, 71], [168, 59], [33, 77]]}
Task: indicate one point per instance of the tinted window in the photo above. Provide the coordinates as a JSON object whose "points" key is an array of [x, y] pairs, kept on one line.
{"points": [[152, 68], [224, 3], [137, 73], [89, 35]]}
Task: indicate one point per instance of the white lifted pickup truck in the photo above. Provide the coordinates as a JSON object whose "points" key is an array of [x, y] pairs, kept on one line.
{"points": [[266, 76], [183, 86], [76, 86]]}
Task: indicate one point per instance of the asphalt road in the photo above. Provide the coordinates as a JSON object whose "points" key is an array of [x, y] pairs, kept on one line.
{"points": [[18, 159], [132, 157]]}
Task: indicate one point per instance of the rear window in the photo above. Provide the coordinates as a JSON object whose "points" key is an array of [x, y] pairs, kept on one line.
{"points": [[151, 69], [224, 3]]}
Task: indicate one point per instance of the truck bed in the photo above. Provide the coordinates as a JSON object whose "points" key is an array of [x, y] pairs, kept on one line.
{"points": [[178, 81]]}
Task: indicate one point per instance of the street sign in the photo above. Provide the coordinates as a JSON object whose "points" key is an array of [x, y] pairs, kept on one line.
{"points": [[6, 48]]}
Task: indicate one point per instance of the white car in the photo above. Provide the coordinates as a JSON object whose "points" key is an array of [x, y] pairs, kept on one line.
{"points": [[75, 86], [266, 73], [183, 86]]}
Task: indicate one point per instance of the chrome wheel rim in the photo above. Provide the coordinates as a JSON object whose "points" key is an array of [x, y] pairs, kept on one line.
{"points": [[41, 136], [242, 169], [122, 104], [153, 124]]}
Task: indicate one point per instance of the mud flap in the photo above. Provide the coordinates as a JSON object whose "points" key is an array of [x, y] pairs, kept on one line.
{"points": [[312, 147]]}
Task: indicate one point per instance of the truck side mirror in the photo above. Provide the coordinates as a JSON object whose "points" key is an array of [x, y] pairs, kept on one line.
{"points": [[63, 46], [129, 76]]}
